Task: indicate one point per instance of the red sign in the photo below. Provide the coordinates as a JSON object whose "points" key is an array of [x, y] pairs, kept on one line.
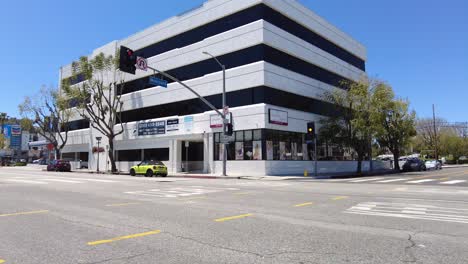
{"points": [[50, 146]]}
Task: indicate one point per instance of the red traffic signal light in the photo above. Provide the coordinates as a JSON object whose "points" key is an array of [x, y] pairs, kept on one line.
{"points": [[127, 60]]}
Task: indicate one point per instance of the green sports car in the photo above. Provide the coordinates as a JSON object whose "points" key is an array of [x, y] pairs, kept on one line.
{"points": [[149, 169]]}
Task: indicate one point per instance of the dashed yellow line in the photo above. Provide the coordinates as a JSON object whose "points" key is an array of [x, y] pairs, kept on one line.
{"points": [[25, 213], [303, 204], [2, 261], [99, 242], [339, 198], [232, 217], [121, 204], [242, 193]]}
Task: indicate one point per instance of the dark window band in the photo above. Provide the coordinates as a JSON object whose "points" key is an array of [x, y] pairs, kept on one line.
{"points": [[77, 125], [244, 97], [245, 17], [235, 59]]}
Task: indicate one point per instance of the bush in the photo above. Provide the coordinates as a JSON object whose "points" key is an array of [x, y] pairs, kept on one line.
{"points": [[20, 164]]}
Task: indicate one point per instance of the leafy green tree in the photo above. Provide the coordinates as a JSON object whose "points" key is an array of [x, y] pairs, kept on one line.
{"points": [[392, 122], [97, 99], [351, 124]]}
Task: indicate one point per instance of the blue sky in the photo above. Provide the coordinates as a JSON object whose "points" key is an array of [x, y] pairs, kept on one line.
{"points": [[420, 47]]}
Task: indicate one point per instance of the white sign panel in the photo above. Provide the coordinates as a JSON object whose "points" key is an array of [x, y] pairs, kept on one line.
{"points": [[216, 121], [278, 117]]}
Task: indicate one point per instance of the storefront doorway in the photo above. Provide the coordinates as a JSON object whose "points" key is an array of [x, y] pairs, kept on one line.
{"points": [[192, 156]]}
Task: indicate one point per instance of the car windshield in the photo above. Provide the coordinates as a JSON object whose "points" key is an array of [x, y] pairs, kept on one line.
{"points": [[152, 162]]}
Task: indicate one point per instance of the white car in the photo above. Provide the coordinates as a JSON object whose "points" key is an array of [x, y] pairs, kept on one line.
{"points": [[433, 165]]}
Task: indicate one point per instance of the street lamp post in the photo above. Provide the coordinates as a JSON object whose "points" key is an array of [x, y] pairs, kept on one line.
{"points": [[224, 107], [98, 146]]}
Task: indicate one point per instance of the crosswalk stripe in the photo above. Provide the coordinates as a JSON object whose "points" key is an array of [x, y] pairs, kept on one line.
{"points": [[421, 181], [365, 180], [453, 182], [393, 180], [25, 181], [58, 180]]}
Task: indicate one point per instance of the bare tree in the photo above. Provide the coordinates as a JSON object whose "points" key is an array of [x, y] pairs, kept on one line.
{"points": [[50, 114], [97, 99]]}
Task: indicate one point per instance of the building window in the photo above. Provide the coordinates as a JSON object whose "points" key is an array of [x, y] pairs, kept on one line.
{"points": [[129, 155], [264, 144], [160, 154]]}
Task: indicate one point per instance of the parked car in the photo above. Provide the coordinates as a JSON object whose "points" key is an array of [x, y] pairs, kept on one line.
{"points": [[149, 169], [414, 164], [433, 165], [59, 165]]}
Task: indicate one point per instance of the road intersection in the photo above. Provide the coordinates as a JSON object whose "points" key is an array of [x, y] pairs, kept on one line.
{"points": [[82, 218]]}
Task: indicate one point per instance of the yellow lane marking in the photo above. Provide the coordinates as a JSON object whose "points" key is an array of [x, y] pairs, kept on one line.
{"points": [[232, 217], [25, 213], [339, 198], [242, 193], [2, 261], [121, 204], [99, 242], [303, 204]]}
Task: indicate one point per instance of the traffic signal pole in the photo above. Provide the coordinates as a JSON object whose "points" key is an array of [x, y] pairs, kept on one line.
{"points": [[128, 62]]}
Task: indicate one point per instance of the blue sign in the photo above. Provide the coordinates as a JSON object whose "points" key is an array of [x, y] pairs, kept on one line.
{"points": [[157, 82], [152, 128]]}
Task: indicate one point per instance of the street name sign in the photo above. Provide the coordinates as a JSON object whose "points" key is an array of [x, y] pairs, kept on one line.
{"points": [[157, 82]]}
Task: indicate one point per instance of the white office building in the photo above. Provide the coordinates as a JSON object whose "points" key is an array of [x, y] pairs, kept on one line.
{"points": [[280, 58]]}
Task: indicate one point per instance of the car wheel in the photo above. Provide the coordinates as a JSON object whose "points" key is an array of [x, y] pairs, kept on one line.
{"points": [[164, 175], [132, 172], [149, 173]]}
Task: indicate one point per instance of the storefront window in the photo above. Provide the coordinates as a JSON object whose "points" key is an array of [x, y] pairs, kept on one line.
{"points": [[264, 144]]}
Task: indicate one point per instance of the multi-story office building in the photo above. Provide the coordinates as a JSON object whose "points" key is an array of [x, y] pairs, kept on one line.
{"points": [[280, 58]]}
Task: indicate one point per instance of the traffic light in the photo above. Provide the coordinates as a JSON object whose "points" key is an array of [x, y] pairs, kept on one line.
{"points": [[229, 130], [311, 129], [127, 60]]}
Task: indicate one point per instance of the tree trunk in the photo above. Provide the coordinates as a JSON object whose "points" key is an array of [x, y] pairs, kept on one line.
{"points": [[359, 164], [396, 157], [57, 153], [110, 153]]}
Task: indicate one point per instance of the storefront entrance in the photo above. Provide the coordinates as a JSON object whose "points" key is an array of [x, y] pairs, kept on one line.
{"points": [[192, 156]]}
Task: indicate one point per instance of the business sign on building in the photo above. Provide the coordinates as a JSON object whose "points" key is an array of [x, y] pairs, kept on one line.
{"points": [[151, 128], [172, 125], [12, 135], [278, 117], [216, 121], [188, 123]]}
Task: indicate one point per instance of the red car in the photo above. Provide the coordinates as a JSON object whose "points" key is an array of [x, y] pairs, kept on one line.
{"points": [[59, 165]]}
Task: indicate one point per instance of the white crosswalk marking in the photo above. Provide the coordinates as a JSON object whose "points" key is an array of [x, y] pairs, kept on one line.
{"points": [[393, 180], [366, 180], [411, 211], [453, 182], [59, 180], [179, 192], [24, 181], [422, 181]]}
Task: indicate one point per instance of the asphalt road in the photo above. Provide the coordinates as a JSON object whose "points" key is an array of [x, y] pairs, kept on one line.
{"points": [[67, 218]]}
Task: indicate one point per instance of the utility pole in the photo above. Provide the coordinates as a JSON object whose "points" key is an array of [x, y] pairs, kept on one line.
{"points": [[225, 121], [98, 151], [435, 133]]}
